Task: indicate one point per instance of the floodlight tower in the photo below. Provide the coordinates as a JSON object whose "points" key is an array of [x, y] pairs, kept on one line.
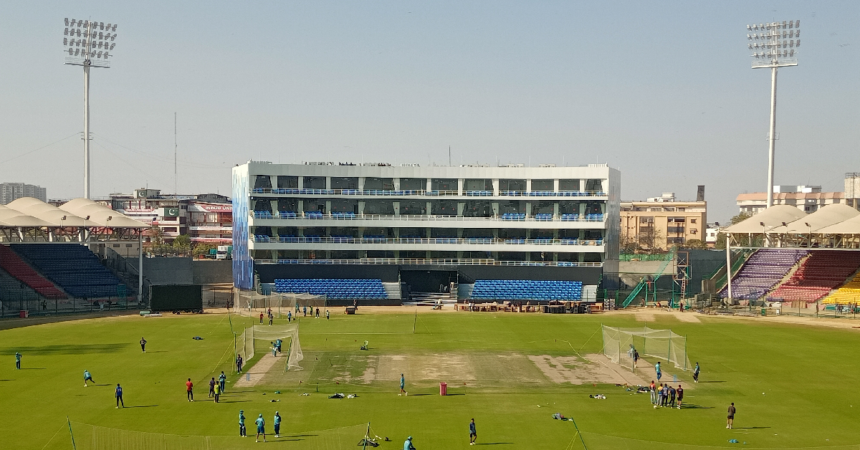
{"points": [[774, 45], [88, 44]]}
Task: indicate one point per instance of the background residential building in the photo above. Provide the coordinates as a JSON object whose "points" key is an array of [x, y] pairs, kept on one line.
{"points": [[661, 222], [10, 192]]}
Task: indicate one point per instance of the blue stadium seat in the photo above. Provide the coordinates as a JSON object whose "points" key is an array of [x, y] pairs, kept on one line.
{"points": [[340, 289], [74, 268], [526, 290]]}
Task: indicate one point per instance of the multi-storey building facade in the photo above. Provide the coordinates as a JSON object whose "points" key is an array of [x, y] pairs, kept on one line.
{"points": [[10, 192], [522, 222], [205, 218], [808, 199], [662, 222]]}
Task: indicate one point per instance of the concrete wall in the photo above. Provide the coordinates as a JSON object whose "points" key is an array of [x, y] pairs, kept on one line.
{"points": [[168, 270], [212, 272]]}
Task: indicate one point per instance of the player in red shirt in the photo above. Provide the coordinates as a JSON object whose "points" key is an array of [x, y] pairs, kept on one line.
{"points": [[188, 390]]}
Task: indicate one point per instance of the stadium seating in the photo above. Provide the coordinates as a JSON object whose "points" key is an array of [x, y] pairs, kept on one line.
{"points": [[12, 289], [72, 267], [526, 290], [762, 271], [544, 217], [569, 217], [847, 294], [514, 216], [21, 271], [335, 289], [820, 273]]}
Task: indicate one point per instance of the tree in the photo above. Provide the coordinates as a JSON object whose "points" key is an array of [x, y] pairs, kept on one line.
{"points": [[201, 249], [156, 240], [740, 217], [720, 244], [649, 239], [628, 248], [182, 244], [696, 244]]}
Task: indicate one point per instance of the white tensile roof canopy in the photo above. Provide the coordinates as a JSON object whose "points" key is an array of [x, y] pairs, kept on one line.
{"points": [[836, 219], [31, 212], [772, 217]]}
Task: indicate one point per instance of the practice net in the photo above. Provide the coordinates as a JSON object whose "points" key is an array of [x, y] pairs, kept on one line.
{"points": [[620, 343], [289, 334], [252, 303], [92, 437]]}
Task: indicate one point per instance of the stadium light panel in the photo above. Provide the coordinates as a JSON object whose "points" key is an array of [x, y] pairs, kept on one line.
{"points": [[777, 39], [91, 51]]}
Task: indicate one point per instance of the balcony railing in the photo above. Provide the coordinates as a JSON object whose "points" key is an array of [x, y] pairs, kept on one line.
{"points": [[515, 217], [411, 261], [264, 239], [434, 193]]}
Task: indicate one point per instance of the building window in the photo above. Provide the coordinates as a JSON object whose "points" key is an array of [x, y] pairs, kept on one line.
{"points": [[542, 185], [692, 220]]}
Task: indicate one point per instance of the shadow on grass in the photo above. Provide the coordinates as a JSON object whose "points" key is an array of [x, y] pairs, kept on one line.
{"points": [[67, 349], [419, 395], [750, 428], [713, 381], [494, 443], [32, 368], [142, 406], [694, 406], [235, 401], [303, 435], [452, 395]]}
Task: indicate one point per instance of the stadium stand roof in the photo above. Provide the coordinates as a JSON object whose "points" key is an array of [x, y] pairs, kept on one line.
{"points": [[102, 215], [825, 217], [850, 226], [30, 212], [772, 217], [12, 218]]}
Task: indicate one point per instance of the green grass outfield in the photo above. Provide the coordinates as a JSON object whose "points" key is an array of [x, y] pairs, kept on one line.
{"points": [[794, 386]]}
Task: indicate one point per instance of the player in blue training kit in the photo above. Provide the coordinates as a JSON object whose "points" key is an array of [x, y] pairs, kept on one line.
{"points": [[18, 360], [118, 395], [242, 423], [88, 377], [473, 433], [261, 428], [408, 444], [222, 379], [277, 422]]}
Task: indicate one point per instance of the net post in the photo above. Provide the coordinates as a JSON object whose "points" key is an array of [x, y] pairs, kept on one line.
{"points": [[603, 338], [669, 353], [72, 435], [685, 353], [366, 436], [579, 433]]}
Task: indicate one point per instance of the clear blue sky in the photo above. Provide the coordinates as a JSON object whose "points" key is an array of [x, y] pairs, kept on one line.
{"points": [[661, 90]]}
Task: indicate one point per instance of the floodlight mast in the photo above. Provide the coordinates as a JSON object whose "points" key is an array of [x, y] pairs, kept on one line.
{"points": [[88, 58], [778, 49]]}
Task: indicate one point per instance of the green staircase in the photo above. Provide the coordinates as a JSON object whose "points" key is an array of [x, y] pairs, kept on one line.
{"points": [[644, 283]]}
